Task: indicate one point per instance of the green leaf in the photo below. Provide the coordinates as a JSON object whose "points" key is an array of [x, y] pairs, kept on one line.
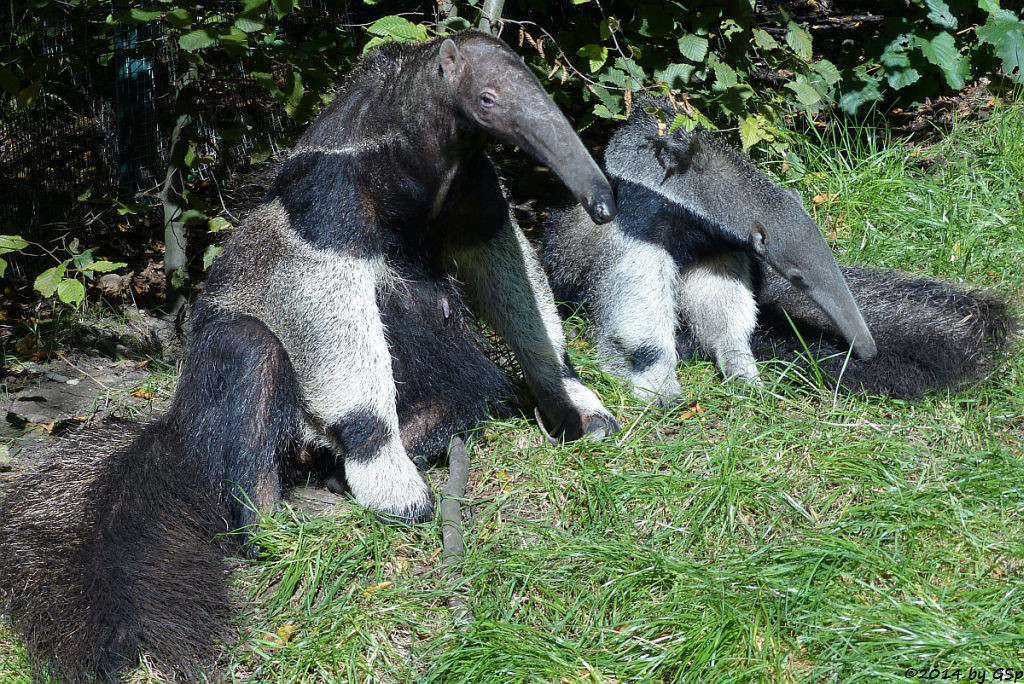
{"points": [[82, 260], [865, 90], [178, 278], [799, 41], [942, 52], [266, 79], [3, 267], [1005, 33], [283, 7], [191, 217], [828, 71], [397, 28], [633, 71], [260, 153], [940, 14], [805, 93], [750, 132], [137, 14], [764, 40], [197, 40], [233, 39], [11, 243], [596, 55], [48, 281], [248, 23], [218, 223], [209, 255], [693, 48], [27, 95], [603, 112], [687, 123], [70, 291], [725, 76], [103, 266], [675, 75], [179, 17], [990, 6], [901, 78]]}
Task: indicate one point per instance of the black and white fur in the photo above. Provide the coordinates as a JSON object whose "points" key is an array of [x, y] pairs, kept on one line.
{"points": [[339, 315], [706, 247]]}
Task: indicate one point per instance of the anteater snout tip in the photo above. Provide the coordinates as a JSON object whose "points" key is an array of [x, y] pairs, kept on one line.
{"points": [[865, 350], [602, 209]]}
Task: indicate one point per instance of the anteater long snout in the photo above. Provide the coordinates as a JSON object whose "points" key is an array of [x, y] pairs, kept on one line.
{"points": [[544, 131], [806, 261]]}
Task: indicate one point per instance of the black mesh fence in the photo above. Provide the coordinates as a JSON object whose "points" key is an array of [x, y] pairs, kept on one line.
{"points": [[102, 122]]}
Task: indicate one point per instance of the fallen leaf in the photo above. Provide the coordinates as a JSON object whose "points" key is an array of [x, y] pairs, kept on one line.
{"points": [[26, 344], [377, 587], [283, 635], [695, 410], [143, 393], [825, 197]]}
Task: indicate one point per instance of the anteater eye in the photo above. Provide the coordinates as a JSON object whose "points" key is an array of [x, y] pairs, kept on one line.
{"points": [[488, 99]]}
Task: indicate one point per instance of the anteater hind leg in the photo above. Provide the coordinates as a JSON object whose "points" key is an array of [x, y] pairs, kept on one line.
{"points": [[507, 286], [717, 302], [237, 406]]}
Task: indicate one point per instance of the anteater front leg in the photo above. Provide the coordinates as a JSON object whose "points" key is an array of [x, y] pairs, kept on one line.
{"points": [[344, 366], [633, 307], [508, 288], [716, 300]]}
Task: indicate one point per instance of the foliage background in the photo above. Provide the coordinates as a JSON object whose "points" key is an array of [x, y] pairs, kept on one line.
{"points": [[244, 77]]}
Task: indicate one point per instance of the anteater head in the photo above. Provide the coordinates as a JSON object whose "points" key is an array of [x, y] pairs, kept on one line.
{"points": [[787, 239], [493, 91], [738, 205]]}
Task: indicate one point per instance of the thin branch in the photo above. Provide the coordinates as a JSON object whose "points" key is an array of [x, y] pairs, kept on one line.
{"points": [[452, 544]]}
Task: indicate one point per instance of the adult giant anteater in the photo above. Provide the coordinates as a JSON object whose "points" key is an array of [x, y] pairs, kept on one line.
{"points": [[681, 269], [336, 316]]}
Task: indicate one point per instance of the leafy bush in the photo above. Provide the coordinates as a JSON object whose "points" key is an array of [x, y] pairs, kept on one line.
{"points": [[726, 65]]}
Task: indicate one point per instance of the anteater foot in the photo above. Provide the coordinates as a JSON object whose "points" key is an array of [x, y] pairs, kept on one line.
{"points": [[574, 424]]}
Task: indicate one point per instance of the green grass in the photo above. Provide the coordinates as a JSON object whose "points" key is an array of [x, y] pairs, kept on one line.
{"points": [[793, 536]]}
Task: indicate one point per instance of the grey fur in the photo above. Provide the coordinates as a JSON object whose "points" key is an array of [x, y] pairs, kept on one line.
{"points": [[682, 269]]}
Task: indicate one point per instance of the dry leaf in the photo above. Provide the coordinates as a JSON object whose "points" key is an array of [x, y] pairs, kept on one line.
{"points": [[26, 344], [143, 393], [283, 635], [377, 587], [695, 410], [825, 197]]}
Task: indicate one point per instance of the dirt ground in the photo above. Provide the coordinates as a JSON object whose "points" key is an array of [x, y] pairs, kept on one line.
{"points": [[114, 368]]}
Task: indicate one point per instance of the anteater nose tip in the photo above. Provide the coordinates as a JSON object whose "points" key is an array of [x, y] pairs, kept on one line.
{"points": [[603, 210], [865, 350]]}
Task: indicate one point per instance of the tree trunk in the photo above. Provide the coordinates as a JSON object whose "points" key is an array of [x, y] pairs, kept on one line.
{"points": [[172, 196], [490, 14]]}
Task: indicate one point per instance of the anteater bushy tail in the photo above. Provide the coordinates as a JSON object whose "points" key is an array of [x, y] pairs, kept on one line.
{"points": [[105, 555], [118, 546], [930, 334]]}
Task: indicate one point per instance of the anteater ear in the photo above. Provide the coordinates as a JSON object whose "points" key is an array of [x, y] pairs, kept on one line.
{"points": [[451, 62]]}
